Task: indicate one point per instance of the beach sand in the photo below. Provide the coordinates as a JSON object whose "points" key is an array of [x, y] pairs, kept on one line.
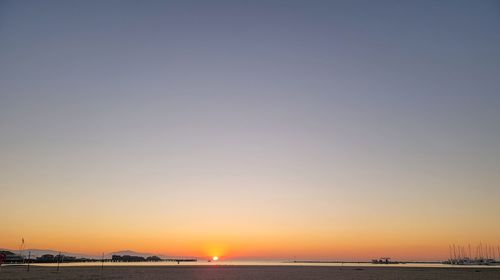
{"points": [[249, 272]]}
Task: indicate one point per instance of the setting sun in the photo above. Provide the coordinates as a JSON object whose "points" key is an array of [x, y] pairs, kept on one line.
{"points": [[215, 258]]}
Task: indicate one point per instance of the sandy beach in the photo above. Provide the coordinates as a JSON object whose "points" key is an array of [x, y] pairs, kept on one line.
{"points": [[249, 272]]}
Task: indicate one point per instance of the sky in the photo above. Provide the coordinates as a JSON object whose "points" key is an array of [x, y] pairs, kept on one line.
{"points": [[250, 129]]}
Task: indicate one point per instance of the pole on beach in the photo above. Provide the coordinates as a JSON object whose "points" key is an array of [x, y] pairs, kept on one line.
{"points": [[58, 261], [29, 258], [102, 261]]}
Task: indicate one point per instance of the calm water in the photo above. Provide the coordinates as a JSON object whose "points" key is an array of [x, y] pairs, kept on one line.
{"points": [[259, 263]]}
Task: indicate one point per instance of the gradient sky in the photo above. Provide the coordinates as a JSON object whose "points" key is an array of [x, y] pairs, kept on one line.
{"points": [[315, 129]]}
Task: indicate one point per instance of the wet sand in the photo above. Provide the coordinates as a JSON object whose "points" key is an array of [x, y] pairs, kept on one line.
{"points": [[249, 272]]}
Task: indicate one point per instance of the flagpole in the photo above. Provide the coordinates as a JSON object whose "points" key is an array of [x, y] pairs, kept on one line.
{"points": [[21, 249]]}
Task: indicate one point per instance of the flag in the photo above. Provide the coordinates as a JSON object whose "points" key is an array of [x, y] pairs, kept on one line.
{"points": [[22, 240]]}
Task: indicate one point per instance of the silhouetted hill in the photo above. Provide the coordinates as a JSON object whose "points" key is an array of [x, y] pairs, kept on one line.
{"points": [[35, 253], [40, 252], [129, 253]]}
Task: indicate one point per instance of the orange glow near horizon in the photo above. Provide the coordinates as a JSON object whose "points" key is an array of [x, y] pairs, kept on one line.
{"points": [[286, 225], [359, 237], [337, 246]]}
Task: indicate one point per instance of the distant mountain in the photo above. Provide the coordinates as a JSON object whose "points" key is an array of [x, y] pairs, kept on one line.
{"points": [[134, 253], [130, 253], [35, 253]]}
